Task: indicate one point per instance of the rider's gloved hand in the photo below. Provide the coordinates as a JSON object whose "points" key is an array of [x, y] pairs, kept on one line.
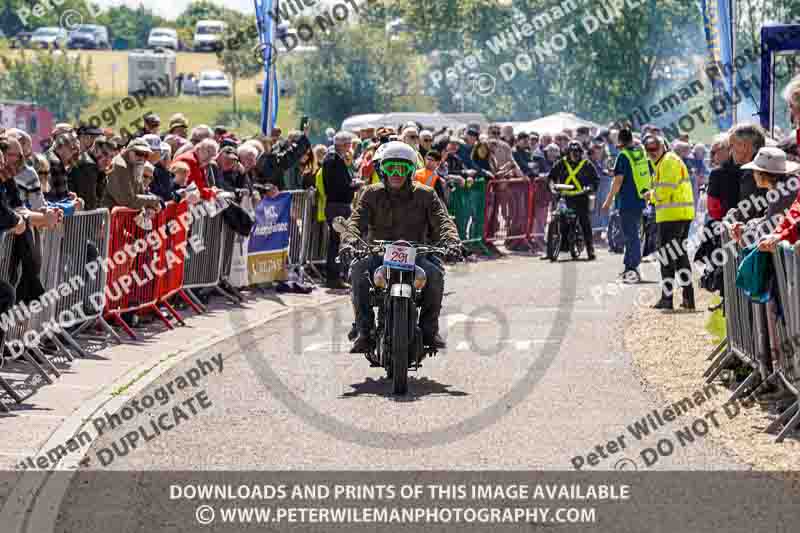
{"points": [[347, 254], [454, 252]]}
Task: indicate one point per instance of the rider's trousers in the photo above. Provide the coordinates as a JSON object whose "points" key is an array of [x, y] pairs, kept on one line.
{"points": [[431, 295], [581, 206]]}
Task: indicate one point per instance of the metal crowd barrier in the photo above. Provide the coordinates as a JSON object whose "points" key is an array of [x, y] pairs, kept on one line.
{"points": [[509, 210], [132, 283], [204, 269], [786, 352], [467, 206], [83, 249], [316, 246], [746, 326], [20, 339]]}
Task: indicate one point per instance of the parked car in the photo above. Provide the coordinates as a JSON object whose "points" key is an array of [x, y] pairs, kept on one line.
{"points": [[213, 83], [90, 37], [189, 85], [49, 37], [21, 40], [208, 35], [163, 38], [285, 87]]}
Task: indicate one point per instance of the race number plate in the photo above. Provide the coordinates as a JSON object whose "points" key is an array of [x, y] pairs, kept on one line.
{"points": [[400, 257]]}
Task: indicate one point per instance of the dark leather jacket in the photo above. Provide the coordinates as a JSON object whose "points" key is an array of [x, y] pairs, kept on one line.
{"points": [[411, 214]]}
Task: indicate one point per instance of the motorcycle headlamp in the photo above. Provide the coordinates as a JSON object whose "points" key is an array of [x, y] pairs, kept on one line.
{"points": [[379, 277], [420, 278]]}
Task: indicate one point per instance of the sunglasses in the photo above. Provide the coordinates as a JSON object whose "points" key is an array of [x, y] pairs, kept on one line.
{"points": [[397, 168], [494, 132], [412, 137]]}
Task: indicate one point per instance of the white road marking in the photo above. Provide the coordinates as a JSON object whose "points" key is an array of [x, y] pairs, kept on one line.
{"points": [[328, 347], [458, 318]]}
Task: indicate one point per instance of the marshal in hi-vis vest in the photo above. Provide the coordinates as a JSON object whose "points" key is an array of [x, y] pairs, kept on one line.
{"points": [[672, 190], [572, 178], [427, 177], [640, 169]]}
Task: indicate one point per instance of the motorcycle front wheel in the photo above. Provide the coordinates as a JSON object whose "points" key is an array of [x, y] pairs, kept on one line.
{"points": [[400, 345], [553, 239]]}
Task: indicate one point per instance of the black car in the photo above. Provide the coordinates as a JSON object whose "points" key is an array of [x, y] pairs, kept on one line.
{"points": [[21, 40], [89, 36]]}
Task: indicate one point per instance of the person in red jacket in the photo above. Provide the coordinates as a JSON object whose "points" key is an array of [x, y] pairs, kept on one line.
{"points": [[198, 159]]}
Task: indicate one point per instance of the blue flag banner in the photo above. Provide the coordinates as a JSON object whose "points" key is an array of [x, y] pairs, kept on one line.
{"points": [[268, 248], [717, 23], [266, 37]]}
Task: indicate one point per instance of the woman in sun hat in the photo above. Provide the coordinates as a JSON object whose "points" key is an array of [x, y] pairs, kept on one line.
{"points": [[774, 172]]}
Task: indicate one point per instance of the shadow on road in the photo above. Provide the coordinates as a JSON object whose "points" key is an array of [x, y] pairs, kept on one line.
{"points": [[417, 389]]}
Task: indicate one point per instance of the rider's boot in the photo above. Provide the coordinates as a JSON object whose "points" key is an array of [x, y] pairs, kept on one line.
{"points": [[590, 251], [433, 339], [363, 343]]}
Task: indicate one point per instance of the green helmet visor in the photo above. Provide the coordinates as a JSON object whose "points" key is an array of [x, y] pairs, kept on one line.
{"points": [[397, 168]]}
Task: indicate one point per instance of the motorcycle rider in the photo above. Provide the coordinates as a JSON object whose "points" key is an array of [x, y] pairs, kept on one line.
{"points": [[399, 208], [574, 169]]}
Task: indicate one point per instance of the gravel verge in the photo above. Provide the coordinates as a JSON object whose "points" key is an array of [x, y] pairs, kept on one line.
{"points": [[670, 370]]}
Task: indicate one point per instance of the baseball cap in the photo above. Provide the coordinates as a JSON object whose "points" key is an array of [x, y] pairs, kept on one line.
{"points": [[141, 146], [229, 141], [229, 150], [117, 141], [152, 118], [61, 127], [651, 139], [153, 141], [88, 129]]}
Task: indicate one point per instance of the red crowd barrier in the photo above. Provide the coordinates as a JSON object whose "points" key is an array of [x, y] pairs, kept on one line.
{"points": [[509, 211], [145, 263]]}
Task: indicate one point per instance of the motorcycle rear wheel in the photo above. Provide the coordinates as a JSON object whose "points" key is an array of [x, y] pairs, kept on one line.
{"points": [[400, 345]]}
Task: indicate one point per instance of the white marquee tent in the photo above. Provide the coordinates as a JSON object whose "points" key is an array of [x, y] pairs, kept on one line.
{"points": [[553, 124]]}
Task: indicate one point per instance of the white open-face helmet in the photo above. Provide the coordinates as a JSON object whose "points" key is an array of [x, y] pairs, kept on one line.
{"points": [[394, 151]]}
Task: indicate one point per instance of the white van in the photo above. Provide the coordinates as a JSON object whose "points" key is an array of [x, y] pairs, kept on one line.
{"points": [[208, 35]]}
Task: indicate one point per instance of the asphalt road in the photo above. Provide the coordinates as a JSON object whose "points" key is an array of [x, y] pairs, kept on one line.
{"points": [[534, 375]]}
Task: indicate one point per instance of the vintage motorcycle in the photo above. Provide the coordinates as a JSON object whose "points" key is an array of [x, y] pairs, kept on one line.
{"points": [[396, 291], [564, 231]]}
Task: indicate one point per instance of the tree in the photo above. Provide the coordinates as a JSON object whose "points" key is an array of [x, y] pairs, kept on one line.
{"points": [[238, 58], [48, 79], [21, 15], [753, 14], [354, 71], [131, 25], [453, 24], [205, 10]]}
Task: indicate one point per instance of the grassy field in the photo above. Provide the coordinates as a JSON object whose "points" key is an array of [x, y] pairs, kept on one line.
{"points": [[110, 78], [197, 110], [109, 82]]}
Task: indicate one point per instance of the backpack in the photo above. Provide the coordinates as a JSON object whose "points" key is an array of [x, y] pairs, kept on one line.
{"points": [[616, 241]]}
